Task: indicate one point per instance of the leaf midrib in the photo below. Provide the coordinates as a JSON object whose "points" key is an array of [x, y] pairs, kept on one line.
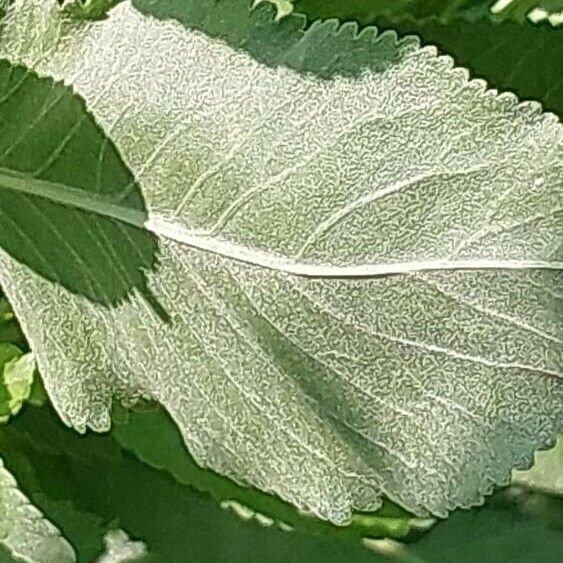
{"points": [[161, 227]]}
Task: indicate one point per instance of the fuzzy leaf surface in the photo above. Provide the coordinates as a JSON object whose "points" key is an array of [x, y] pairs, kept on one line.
{"points": [[354, 287]]}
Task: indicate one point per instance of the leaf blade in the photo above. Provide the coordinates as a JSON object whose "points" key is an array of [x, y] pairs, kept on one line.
{"points": [[299, 386]]}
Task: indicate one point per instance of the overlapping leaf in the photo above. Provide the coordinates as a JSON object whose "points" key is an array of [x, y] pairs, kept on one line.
{"points": [[358, 278]]}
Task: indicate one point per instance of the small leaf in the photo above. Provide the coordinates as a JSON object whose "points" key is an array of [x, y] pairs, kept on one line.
{"points": [[16, 379], [520, 10], [121, 549], [283, 7], [89, 9]]}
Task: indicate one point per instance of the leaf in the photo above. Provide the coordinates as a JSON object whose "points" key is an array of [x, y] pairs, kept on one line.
{"points": [[177, 523], [364, 11], [152, 436], [361, 274], [35, 449], [283, 7], [318, 49], [16, 379], [89, 9], [84, 530], [509, 55], [24, 532], [120, 549], [181, 525], [61, 143], [534, 10], [446, 11]]}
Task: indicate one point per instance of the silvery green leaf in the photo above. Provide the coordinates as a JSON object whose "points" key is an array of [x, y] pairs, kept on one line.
{"points": [[341, 288]]}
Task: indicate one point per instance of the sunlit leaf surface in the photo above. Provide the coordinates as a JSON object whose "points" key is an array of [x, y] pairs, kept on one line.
{"points": [[349, 283]]}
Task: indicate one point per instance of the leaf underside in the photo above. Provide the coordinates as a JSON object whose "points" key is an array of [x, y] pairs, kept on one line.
{"points": [[267, 198]]}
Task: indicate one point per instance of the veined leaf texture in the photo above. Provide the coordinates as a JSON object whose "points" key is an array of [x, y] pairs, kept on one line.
{"points": [[342, 280]]}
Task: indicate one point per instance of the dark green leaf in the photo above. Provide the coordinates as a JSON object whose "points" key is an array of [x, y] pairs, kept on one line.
{"points": [[47, 139], [73, 478]]}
